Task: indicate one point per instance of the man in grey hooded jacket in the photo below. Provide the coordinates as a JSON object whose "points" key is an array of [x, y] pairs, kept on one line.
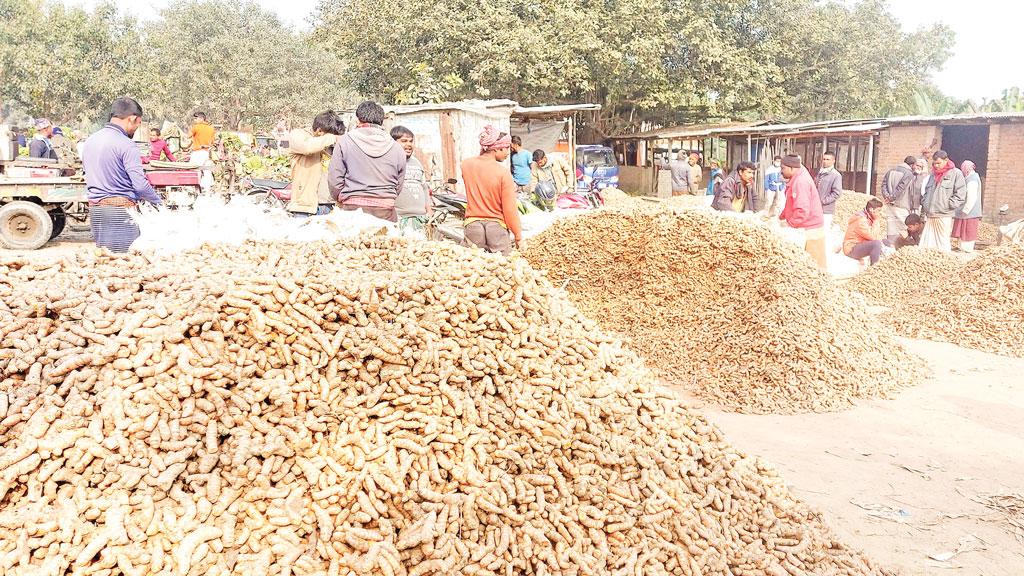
{"points": [[830, 187], [367, 167]]}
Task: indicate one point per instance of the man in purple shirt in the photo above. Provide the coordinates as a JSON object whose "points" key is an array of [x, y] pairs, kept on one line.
{"points": [[114, 177]]}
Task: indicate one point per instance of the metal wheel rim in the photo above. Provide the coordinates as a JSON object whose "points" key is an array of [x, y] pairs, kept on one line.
{"points": [[21, 227]]}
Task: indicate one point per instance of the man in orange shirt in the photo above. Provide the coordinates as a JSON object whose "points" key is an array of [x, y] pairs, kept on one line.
{"points": [[202, 135], [492, 209]]}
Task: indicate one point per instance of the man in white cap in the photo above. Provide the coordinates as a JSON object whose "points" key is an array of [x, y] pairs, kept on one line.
{"points": [[40, 146]]}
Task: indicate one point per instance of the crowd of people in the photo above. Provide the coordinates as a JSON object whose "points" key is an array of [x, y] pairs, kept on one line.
{"points": [[918, 205], [369, 169], [364, 168]]}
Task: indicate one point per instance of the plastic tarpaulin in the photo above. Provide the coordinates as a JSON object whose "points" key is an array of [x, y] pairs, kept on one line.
{"points": [[211, 220], [539, 134]]}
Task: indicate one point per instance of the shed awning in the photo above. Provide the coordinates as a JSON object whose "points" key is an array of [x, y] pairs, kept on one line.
{"points": [[466, 105], [553, 110]]}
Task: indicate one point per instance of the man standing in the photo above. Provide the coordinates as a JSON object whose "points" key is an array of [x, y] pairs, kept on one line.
{"points": [[114, 177], [555, 172], [413, 204], [774, 187], [803, 208], [830, 186], [696, 173], [40, 146], [682, 178], [158, 147], [202, 136], [968, 216], [737, 192], [944, 194], [492, 210], [310, 152], [367, 167], [521, 160], [898, 193]]}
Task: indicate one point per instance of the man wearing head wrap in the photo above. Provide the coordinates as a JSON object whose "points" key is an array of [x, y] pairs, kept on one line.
{"points": [[967, 217], [40, 146], [899, 197], [492, 209], [803, 208]]}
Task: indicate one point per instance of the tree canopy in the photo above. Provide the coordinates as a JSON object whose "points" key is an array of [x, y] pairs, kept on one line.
{"points": [[664, 60], [644, 61], [66, 63], [234, 60]]}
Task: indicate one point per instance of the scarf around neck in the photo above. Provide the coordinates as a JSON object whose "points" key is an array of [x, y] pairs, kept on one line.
{"points": [[942, 171]]}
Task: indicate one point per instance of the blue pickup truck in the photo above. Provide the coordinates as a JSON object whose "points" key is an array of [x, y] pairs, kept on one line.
{"points": [[596, 163]]}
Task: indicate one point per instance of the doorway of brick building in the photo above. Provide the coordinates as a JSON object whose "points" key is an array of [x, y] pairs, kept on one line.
{"points": [[967, 142]]}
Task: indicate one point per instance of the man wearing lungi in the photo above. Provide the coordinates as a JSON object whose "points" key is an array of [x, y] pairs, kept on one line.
{"points": [[114, 177]]}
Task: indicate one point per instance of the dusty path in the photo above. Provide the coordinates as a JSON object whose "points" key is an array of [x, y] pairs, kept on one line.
{"points": [[74, 238], [899, 478]]}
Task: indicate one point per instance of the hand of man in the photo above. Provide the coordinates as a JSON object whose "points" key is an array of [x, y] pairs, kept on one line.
{"points": [[521, 245]]}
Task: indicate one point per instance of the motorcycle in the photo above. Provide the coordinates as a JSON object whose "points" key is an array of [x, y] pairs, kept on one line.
{"points": [[589, 198], [270, 193]]}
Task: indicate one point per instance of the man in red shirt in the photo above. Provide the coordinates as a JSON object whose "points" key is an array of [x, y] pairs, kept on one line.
{"points": [[157, 147], [803, 208], [492, 209]]}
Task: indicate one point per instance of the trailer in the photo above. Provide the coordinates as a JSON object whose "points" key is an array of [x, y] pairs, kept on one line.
{"points": [[34, 211], [36, 202]]}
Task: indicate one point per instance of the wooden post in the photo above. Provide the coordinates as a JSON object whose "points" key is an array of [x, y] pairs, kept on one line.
{"points": [[852, 154], [871, 161], [448, 147]]}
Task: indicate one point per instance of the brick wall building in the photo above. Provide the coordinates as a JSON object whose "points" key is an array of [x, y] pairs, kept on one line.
{"points": [[895, 144], [863, 148], [1004, 183], [995, 142]]}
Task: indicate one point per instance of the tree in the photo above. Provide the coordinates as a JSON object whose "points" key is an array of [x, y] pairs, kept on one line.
{"points": [[645, 60], [66, 63], [240, 64], [1011, 101]]}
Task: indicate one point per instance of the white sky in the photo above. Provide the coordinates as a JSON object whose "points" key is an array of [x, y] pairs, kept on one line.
{"points": [[984, 62]]}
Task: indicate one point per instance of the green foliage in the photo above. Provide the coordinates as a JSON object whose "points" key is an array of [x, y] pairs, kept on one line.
{"points": [[644, 60], [234, 60], [64, 62], [240, 64], [1011, 101]]}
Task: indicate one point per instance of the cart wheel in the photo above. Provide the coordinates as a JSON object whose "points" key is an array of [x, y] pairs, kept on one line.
{"points": [[265, 198], [24, 225], [59, 219]]}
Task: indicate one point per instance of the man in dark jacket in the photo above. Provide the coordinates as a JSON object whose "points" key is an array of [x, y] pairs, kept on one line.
{"points": [[830, 186], [737, 192], [40, 146], [896, 193], [945, 192], [367, 168]]}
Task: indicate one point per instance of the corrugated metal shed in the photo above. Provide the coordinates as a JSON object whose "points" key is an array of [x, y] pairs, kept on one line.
{"points": [[850, 126], [562, 110], [687, 131], [959, 118]]}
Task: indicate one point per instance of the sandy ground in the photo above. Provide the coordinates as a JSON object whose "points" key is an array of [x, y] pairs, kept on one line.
{"points": [[900, 478], [897, 478], [75, 237]]}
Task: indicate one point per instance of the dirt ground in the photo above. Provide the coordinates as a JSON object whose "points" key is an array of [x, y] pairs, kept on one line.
{"points": [[901, 478], [74, 238]]}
